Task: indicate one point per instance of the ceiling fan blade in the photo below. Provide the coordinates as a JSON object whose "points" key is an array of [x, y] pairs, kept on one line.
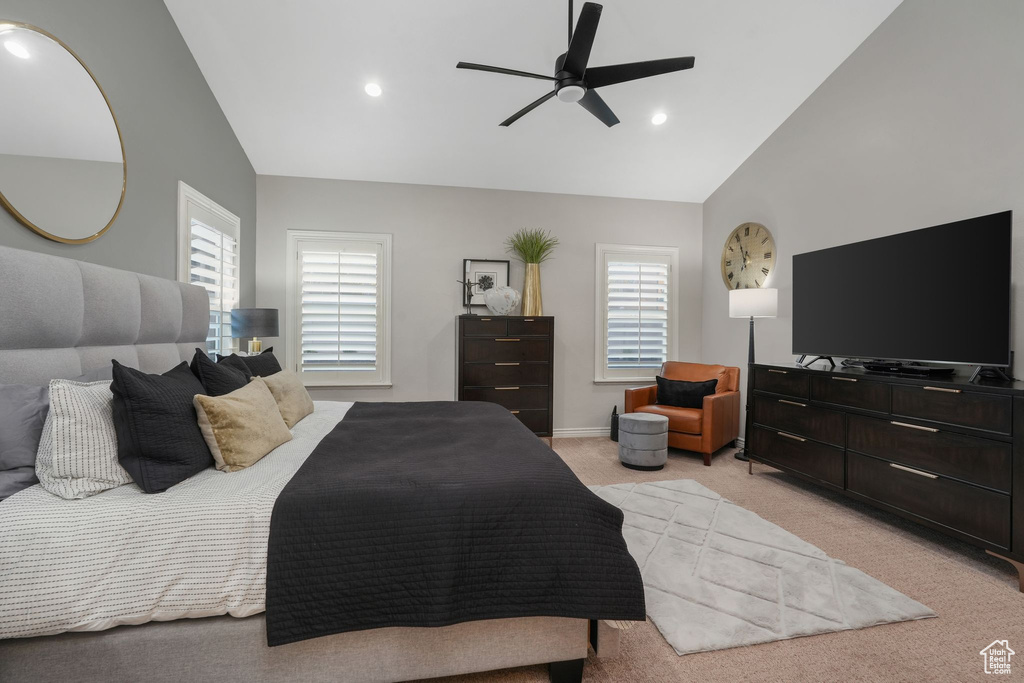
{"points": [[593, 103], [600, 76], [527, 109], [582, 39], [500, 70]]}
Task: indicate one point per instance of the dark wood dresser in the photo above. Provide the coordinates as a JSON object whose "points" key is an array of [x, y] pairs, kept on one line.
{"points": [[945, 453], [509, 360]]}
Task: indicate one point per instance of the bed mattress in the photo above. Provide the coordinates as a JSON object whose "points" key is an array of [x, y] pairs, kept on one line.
{"points": [[126, 557]]}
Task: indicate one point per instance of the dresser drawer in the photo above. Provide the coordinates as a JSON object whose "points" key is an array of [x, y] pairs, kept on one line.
{"points": [[529, 326], [801, 419], [968, 509], [786, 382], [989, 412], [504, 349], [484, 327], [535, 420], [513, 397], [825, 463], [974, 460], [851, 391], [502, 374]]}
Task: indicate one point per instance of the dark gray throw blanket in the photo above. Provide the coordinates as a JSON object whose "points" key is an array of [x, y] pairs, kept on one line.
{"points": [[429, 514]]}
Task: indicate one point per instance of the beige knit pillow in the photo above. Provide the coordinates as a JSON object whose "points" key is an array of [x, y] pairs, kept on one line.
{"points": [[241, 427], [292, 398]]}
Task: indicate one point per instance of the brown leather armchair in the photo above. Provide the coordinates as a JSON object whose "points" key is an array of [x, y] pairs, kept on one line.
{"points": [[704, 429]]}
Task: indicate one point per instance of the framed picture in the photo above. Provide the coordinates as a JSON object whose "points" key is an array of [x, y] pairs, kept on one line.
{"points": [[486, 274]]}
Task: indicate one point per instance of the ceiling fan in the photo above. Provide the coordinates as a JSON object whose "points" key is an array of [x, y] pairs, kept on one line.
{"points": [[574, 82]]}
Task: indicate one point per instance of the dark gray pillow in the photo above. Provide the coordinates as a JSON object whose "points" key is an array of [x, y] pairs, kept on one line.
{"points": [[673, 392], [22, 414], [217, 378], [263, 365], [158, 437]]}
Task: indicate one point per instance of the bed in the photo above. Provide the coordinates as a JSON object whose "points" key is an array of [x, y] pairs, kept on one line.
{"points": [[96, 616]]}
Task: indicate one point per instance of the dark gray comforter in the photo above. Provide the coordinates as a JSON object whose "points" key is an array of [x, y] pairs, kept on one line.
{"points": [[429, 514]]}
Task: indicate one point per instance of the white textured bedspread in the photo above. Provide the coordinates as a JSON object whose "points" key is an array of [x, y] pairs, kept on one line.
{"points": [[126, 557]]}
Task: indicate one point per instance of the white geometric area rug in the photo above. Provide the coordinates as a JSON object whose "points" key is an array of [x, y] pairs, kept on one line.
{"points": [[718, 576]]}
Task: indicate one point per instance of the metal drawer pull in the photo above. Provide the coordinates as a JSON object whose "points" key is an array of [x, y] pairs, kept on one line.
{"points": [[506, 388], [506, 363], [844, 379], [485, 320], [948, 391], [913, 471], [514, 412], [780, 372], [933, 430], [792, 436], [527, 320], [792, 403], [507, 340]]}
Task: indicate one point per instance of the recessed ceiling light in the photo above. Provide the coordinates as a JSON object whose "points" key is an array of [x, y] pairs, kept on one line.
{"points": [[373, 90], [659, 118], [16, 49]]}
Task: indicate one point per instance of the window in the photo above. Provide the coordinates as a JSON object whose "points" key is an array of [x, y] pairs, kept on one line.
{"points": [[208, 256], [339, 303], [636, 311]]}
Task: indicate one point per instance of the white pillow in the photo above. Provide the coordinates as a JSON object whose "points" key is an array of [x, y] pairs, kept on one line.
{"points": [[77, 454]]}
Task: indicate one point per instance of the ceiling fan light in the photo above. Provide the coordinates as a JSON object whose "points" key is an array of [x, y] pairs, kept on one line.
{"points": [[659, 118], [571, 93], [373, 90]]}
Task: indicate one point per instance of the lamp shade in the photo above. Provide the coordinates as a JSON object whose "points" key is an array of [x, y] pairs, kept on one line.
{"points": [[254, 322], [753, 303]]}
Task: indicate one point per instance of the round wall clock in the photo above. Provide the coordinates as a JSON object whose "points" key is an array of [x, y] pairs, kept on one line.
{"points": [[748, 257]]}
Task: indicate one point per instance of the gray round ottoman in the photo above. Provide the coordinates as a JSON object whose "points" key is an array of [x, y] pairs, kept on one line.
{"points": [[643, 441]]}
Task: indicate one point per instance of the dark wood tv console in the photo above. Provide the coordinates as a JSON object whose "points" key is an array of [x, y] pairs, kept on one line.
{"points": [[946, 453]]}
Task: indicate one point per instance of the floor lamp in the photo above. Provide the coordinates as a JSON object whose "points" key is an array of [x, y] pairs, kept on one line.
{"points": [[752, 303]]}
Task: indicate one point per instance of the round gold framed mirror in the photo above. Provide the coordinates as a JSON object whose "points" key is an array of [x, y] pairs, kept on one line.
{"points": [[62, 163]]}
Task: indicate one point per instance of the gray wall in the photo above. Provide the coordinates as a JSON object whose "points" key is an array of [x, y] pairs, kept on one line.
{"points": [[922, 125], [172, 125], [434, 228]]}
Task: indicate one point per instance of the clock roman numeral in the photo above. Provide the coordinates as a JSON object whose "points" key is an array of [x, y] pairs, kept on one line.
{"points": [[728, 263], [757, 283], [768, 254], [746, 231], [765, 271], [737, 236], [764, 240], [729, 276]]}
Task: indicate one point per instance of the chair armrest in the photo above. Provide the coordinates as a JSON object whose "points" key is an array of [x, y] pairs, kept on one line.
{"points": [[721, 420], [640, 397]]}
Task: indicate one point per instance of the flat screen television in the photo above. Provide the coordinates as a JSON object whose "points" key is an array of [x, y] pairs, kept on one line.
{"points": [[939, 294]]}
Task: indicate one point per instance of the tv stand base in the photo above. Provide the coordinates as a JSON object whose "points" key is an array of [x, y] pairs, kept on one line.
{"points": [[801, 363], [994, 373]]}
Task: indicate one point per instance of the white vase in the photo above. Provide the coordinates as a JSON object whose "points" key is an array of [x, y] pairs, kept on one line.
{"points": [[501, 300]]}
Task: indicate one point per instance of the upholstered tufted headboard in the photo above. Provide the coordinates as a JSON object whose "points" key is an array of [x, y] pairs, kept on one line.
{"points": [[61, 318]]}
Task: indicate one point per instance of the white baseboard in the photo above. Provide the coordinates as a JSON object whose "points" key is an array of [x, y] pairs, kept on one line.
{"points": [[582, 432]]}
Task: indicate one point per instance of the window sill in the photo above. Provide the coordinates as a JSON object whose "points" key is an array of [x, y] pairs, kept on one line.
{"points": [[332, 385], [626, 380]]}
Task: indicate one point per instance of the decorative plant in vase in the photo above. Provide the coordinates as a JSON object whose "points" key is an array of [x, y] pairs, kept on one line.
{"points": [[533, 247]]}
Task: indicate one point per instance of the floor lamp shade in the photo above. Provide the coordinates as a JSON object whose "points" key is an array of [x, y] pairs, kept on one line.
{"points": [[254, 323], [753, 303]]}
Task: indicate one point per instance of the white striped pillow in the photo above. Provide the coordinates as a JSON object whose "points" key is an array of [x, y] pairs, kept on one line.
{"points": [[77, 454]]}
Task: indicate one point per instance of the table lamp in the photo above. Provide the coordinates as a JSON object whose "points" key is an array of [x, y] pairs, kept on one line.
{"points": [[255, 323], [752, 303]]}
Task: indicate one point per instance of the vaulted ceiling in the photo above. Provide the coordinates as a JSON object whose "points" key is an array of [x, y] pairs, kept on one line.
{"points": [[290, 78]]}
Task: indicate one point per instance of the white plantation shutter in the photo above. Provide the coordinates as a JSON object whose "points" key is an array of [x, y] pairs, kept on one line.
{"points": [[339, 301], [636, 317], [209, 256], [638, 305]]}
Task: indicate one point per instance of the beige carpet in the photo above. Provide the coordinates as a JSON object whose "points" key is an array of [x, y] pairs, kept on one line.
{"points": [[975, 596]]}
